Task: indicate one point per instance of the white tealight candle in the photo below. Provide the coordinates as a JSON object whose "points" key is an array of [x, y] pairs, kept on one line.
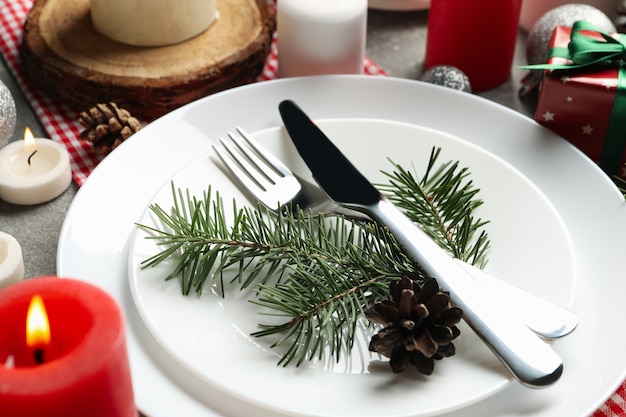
{"points": [[318, 37], [152, 22], [11, 262], [33, 172]]}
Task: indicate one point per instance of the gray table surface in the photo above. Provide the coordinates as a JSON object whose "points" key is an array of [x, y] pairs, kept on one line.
{"points": [[395, 41]]}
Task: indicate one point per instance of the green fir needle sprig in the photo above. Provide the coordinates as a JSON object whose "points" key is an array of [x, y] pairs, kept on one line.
{"points": [[442, 202], [314, 276]]}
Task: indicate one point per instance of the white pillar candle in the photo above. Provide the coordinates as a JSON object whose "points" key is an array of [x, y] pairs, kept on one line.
{"points": [[11, 262], [33, 171], [152, 22], [321, 37]]}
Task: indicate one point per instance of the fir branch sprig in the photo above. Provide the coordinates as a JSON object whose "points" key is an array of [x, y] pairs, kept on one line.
{"points": [[442, 203], [318, 274], [328, 290], [259, 245]]}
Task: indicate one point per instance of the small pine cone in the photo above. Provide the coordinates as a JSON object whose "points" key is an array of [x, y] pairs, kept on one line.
{"points": [[107, 126], [418, 328]]}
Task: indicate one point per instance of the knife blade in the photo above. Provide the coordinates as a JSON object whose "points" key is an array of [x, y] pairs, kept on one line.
{"points": [[530, 360]]}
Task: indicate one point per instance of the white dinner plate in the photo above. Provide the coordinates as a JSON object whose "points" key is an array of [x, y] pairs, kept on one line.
{"points": [[209, 335], [399, 4], [95, 237]]}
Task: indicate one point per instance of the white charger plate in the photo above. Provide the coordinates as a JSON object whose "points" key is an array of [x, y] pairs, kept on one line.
{"points": [[95, 236], [209, 335]]}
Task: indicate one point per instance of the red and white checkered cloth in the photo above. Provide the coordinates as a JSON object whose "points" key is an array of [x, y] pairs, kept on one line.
{"points": [[61, 124]]}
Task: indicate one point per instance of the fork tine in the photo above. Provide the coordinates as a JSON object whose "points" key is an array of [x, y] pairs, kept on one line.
{"points": [[265, 154], [240, 172], [264, 176], [264, 167]]}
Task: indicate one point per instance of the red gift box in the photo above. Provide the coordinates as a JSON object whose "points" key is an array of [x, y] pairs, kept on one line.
{"points": [[578, 104]]}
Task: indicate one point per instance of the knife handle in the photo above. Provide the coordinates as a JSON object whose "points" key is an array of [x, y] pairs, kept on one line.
{"points": [[531, 360]]}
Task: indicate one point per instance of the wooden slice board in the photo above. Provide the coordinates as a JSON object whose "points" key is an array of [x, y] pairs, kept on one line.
{"points": [[67, 58]]}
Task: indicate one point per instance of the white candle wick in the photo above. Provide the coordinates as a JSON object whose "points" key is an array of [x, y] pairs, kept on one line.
{"points": [[31, 156], [30, 145]]}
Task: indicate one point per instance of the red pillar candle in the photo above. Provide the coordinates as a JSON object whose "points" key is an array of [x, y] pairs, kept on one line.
{"points": [[478, 37], [82, 370]]}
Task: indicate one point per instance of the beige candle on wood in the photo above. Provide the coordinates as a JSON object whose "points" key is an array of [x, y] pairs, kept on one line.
{"points": [[152, 22]]}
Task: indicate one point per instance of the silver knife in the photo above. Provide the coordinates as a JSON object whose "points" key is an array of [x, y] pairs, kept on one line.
{"points": [[531, 360], [546, 319]]}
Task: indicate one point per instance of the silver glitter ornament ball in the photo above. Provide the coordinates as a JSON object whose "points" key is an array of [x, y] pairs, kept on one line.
{"points": [[538, 43], [447, 76], [7, 114]]}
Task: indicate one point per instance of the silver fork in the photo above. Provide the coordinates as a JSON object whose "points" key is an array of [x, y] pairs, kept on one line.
{"points": [[275, 186], [271, 182]]}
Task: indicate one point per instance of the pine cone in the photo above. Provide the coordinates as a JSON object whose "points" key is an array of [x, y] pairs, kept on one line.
{"points": [[107, 126], [418, 328]]}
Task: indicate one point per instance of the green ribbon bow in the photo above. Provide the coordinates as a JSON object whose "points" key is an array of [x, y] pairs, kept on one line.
{"points": [[585, 52]]}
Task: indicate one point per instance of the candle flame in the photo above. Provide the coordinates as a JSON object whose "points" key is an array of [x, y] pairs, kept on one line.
{"points": [[30, 145], [37, 325]]}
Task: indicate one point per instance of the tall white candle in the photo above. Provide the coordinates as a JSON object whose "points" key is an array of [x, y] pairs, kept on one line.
{"points": [[33, 171], [11, 262], [152, 22], [321, 37]]}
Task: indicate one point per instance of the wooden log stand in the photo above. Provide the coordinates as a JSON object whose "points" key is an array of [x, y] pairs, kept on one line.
{"points": [[66, 57]]}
